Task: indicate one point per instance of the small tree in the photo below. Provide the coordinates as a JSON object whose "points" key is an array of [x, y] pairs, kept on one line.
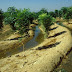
{"points": [[60, 13], [1, 18], [43, 10], [10, 17], [64, 10], [46, 21], [68, 14], [23, 20], [56, 13], [32, 16]]}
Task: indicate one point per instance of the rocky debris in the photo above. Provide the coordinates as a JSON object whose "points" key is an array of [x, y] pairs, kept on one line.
{"points": [[49, 46], [57, 34]]}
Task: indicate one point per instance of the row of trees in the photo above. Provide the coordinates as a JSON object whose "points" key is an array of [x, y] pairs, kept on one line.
{"points": [[21, 19], [64, 12]]}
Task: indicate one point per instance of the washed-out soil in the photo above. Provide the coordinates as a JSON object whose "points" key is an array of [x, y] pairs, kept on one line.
{"points": [[66, 64]]}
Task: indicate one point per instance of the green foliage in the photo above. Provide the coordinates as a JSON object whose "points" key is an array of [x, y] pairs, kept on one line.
{"points": [[63, 70], [1, 18], [60, 70], [32, 17], [64, 10], [43, 10], [23, 20], [51, 13], [56, 13], [68, 14], [60, 13], [46, 21], [10, 17], [19, 19], [20, 39]]}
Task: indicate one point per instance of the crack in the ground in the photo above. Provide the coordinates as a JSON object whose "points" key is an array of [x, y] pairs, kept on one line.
{"points": [[17, 38], [53, 28], [49, 46], [57, 34]]}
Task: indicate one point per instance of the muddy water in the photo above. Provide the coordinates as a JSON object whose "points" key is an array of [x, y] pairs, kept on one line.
{"points": [[37, 39]]}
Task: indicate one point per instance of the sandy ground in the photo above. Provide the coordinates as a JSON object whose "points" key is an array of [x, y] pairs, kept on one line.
{"points": [[11, 44], [44, 60], [69, 25], [14, 43], [6, 32]]}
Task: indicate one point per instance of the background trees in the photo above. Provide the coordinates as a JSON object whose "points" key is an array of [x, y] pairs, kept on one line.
{"points": [[60, 14], [51, 13], [1, 18], [64, 10], [10, 17], [43, 10], [56, 13], [32, 17], [21, 19], [68, 14]]}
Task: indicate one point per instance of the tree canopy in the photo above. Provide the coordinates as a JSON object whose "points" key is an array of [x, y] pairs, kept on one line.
{"points": [[21, 19], [1, 18], [10, 17], [46, 21]]}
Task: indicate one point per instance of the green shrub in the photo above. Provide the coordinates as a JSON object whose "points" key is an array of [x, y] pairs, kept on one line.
{"points": [[10, 17], [46, 21], [23, 22]]}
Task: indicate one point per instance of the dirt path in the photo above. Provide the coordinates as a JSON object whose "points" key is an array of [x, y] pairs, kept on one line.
{"points": [[15, 40], [66, 64], [42, 58]]}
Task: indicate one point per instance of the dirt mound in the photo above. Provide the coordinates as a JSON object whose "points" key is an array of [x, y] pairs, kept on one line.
{"points": [[43, 60]]}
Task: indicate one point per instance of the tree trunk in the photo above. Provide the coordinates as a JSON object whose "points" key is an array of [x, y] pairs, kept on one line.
{"points": [[23, 48], [12, 26], [1, 24]]}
